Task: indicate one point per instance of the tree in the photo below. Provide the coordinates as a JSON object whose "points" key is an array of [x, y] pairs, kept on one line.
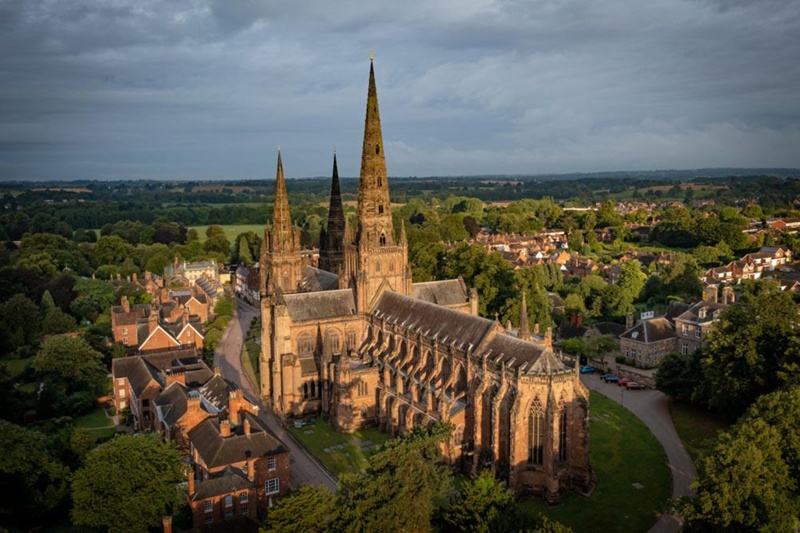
{"points": [[488, 272], [127, 484], [680, 375], [574, 303], [632, 279], [398, 489], [72, 362], [308, 508], [110, 250], [743, 484], [57, 321], [781, 410], [752, 349], [21, 322], [483, 505], [94, 297], [35, 481]]}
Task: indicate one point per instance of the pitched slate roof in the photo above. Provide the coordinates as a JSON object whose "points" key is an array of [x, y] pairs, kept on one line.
{"points": [[693, 313], [134, 368], [216, 391], [485, 337], [320, 305], [216, 450], [432, 320], [653, 330], [315, 279], [609, 328], [229, 480], [131, 317], [171, 403], [445, 292]]}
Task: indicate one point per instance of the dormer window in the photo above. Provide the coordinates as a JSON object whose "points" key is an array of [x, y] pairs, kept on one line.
{"points": [[701, 313]]}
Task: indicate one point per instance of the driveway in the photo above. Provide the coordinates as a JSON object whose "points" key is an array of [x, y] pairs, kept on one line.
{"points": [[650, 406], [305, 469]]}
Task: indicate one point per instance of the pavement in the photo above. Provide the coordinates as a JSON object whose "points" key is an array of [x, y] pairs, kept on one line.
{"points": [[305, 470], [650, 406]]}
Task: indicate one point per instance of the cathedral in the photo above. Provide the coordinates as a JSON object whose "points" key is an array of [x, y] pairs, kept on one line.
{"points": [[356, 342]]}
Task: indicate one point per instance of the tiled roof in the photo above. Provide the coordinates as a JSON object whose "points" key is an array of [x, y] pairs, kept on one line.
{"points": [[134, 368], [445, 292], [694, 312], [216, 450], [315, 279], [320, 305], [171, 404], [653, 330], [225, 482]]}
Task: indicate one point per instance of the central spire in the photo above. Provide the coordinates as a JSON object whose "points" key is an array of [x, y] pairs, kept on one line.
{"points": [[281, 216], [332, 240], [374, 209]]}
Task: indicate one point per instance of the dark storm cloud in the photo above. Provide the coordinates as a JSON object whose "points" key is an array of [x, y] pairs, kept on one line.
{"points": [[208, 88]]}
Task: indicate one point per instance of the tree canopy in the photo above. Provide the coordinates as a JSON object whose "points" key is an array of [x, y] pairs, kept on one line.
{"points": [[127, 484]]}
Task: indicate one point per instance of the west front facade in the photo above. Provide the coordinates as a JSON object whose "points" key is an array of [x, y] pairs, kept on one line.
{"points": [[358, 343]]}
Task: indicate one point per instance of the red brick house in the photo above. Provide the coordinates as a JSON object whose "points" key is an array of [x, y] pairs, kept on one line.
{"points": [[233, 457]]}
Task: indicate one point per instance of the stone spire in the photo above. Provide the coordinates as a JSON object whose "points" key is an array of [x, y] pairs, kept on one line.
{"points": [[524, 330], [374, 210], [281, 217], [331, 248]]}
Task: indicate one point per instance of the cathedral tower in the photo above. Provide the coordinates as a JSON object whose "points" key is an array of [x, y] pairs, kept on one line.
{"points": [[374, 260], [281, 262], [331, 253]]}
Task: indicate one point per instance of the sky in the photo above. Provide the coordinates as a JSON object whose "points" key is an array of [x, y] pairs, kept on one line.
{"points": [[208, 89]]}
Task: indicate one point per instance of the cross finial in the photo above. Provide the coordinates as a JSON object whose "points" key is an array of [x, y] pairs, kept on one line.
{"points": [[371, 55]]}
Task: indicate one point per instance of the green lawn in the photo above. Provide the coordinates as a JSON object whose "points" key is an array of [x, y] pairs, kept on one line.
{"points": [[250, 355], [340, 453], [97, 422], [232, 231], [696, 427], [15, 365], [623, 452]]}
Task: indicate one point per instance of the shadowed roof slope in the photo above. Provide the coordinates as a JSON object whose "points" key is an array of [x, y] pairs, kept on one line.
{"points": [[446, 292], [319, 305]]}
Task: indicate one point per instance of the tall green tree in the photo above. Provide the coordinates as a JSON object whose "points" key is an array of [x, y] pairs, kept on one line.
{"points": [[72, 362], [127, 484], [309, 508], [34, 481], [483, 505], [752, 350], [399, 488]]}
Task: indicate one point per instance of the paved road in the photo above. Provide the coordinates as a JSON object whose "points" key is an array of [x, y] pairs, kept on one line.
{"points": [[650, 406], [305, 469]]}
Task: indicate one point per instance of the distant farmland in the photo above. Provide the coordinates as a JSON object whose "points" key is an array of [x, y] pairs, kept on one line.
{"points": [[232, 231]]}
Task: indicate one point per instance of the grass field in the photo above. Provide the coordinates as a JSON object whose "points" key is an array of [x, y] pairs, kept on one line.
{"points": [[696, 427], [232, 231], [623, 452], [250, 354], [15, 365], [340, 453], [97, 422]]}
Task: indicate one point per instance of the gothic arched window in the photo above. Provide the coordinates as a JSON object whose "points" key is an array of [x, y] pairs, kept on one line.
{"points": [[383, 239], [305, 344], [536, 433]]}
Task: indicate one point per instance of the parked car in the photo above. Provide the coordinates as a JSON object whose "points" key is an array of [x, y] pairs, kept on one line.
{"points": [[621, 382], [610, 378], [586, 369], [634, 385]]}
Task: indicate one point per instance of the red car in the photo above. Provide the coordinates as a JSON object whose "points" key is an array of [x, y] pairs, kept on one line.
{"points": [[633, 385], [622, 382]]}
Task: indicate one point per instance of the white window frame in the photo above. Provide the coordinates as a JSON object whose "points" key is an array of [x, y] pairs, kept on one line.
{"points": [[276, 485], [271, 464], [244, 498], [697, 332], [684, 347], [208, 506]]}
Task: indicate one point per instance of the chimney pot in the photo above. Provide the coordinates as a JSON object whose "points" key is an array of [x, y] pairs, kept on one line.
{"points": [[225, 428], [246, 426], [167, 523]]}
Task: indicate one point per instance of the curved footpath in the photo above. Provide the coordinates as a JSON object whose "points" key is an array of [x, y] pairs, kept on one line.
{"points": [[305, 469], [650, 406]]}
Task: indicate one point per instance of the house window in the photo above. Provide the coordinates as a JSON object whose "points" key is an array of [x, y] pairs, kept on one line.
{"points": [[562, 436], [123, 405], [125, 341], [684, 348], [145, 403], [124, 331], [245, 511], [122, 393], [697, 332], [271, 464], [273, 485], [208, 506], [228, 501], [685, 329], [209, 520], [244, 498], [120, 381]]}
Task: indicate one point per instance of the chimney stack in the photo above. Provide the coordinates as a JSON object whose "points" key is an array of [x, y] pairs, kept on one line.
{"points": [[251, 465], [167, 523], [629, 321], [216, 370], [710, 293], [225, 428], [190, 477], [126, 305], [246, 425]]}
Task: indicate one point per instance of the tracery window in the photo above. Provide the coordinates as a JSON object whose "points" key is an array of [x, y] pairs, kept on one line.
{"points": [[536, 433]]}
